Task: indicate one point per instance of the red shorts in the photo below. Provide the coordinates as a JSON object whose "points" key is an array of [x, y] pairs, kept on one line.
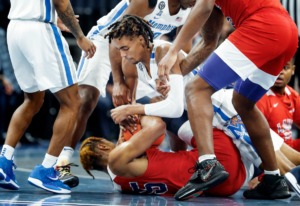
{"points": [[229, 156], [269, 38]]}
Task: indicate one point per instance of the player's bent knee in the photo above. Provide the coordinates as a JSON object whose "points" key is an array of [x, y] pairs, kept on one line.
{"points": [[89, 97]]}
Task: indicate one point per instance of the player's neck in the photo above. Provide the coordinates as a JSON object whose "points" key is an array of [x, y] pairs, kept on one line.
{"points": [[278, 90], [147, 56], [174, 6]]}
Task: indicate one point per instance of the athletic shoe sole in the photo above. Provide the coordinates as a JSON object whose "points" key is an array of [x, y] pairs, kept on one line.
{"points": [[292, 182], [191, 190], [71, 182], [282, 195], [6, 182], [51, 188]]}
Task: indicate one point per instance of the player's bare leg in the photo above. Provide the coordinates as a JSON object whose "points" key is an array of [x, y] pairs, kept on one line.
{"points": [[208, 171], [273, 185]]}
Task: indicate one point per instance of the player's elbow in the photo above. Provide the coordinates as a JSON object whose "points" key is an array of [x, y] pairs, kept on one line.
{"points": [[156, 125], [177, 110], [115, 162], [60, 5]]}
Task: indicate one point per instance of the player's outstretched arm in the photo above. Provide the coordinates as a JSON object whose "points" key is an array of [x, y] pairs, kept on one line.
{"points": [[210, 33], [123, 160], [194, 23]]}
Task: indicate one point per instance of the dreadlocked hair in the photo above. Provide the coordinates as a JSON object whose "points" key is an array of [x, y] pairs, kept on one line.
{"points": [[88, 155], [130, 26]]}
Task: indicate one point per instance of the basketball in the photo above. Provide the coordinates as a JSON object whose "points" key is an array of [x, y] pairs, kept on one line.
{"points": [[127, 135]]}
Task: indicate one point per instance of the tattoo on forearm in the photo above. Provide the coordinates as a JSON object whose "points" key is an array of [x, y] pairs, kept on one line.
{"points": [[196, 56], [68, 18]]}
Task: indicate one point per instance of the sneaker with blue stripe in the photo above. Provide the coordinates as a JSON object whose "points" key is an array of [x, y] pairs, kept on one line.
{"points": [[48, 179], [7, 176]]}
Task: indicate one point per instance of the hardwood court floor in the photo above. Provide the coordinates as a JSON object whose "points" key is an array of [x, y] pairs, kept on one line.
{"points": [[100, 191]]}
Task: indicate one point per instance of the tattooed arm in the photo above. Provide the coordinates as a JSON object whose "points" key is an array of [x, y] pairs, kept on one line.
{"points": [[66, 14], [210, 33]]}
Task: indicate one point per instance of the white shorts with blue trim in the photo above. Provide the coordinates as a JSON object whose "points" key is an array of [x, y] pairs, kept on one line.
{"points": [[40, 56], [95, 71]]}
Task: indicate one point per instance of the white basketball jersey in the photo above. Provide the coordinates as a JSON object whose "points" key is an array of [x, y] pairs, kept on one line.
{"points": [[143, 74], [36, 10], [148, 85], [160, 19]]}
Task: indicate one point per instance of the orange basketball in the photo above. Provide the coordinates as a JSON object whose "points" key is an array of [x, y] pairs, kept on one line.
{"points": [[127, 135]]}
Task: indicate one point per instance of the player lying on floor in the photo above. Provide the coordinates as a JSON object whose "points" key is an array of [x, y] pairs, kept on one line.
{"points": [[156, 172], [137, 49], [136, 169]]}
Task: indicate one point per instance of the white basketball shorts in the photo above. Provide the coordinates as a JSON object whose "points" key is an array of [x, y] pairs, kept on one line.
{"points": [[40, 56], [95, 71]]}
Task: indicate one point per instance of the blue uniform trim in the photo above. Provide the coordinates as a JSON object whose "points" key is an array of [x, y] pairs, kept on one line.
{"points": [[221, 114], [217, 73], [48, 10], [118, 14], [195, 71], [152, 55], [250, 90], [81, 63], [62, 54]]}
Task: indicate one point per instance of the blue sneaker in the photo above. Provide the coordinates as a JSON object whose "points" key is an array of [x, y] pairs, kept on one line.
{"points": [[293, 178], [7, 176], [47, 179]]}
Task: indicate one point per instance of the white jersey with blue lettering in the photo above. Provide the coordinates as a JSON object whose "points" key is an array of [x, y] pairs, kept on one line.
{"points": [[160, 19], [227, 119], [35, 10]]}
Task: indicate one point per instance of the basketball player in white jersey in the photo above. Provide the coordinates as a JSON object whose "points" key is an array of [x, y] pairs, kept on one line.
{"points": [[93, 74], [41, 61], [140, 55]]}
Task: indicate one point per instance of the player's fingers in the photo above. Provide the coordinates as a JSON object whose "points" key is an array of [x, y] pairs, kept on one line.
{"points": [[90, 53], [115, 101], [93, 48]]}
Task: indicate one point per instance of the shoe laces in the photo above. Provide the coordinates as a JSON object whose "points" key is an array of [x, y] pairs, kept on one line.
{"points": [[65, 169], [194, 168]]}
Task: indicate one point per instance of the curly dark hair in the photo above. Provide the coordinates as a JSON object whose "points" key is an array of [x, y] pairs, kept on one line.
{"points": [[89, 156], [130, 26]]}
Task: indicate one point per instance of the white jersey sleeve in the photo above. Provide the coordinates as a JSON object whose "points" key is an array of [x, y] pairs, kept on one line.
{"points": [[104, 22]]}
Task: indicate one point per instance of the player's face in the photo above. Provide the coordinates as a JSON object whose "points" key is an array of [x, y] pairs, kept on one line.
{"points": [[184, 4], [285, 75], [131, 48]]}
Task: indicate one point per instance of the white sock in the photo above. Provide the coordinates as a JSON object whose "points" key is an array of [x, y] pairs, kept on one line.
{"points": [[65, 156], [49, 161], [7, 151], [274, 172], [206, 157]]}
